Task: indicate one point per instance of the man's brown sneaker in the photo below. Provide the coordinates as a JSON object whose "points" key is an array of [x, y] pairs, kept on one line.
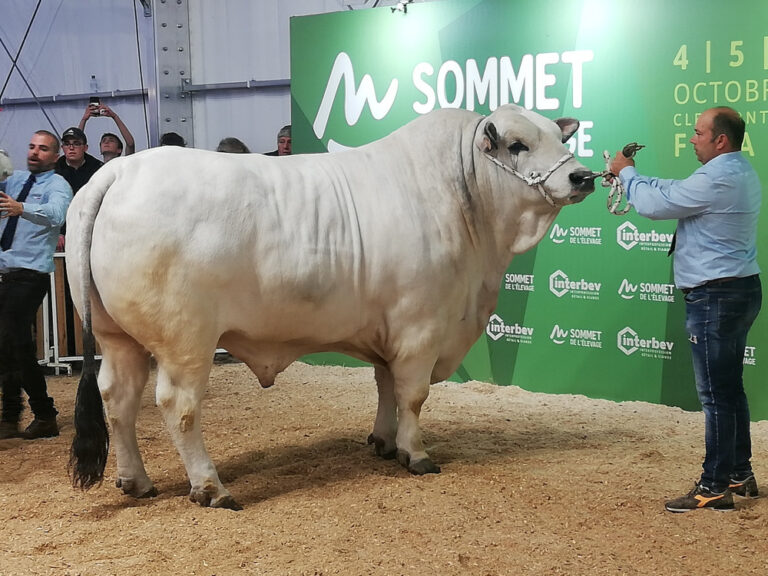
{"points": [[746, 488], [701, 497]]}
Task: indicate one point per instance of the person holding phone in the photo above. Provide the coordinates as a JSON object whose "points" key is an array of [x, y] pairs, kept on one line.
{"points": [[32, 209], [110, 145]]}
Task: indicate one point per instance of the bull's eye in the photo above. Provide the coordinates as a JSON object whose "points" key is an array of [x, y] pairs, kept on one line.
{"points": [[516, 147]]}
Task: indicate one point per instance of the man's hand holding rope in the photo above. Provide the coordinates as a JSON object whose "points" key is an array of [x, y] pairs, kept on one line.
{"points": [[621, 160]]}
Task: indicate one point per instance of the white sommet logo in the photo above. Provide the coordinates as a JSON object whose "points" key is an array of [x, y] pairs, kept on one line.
{"points": [[558, 234], [558, 335], [354, 99], [627, 290]]}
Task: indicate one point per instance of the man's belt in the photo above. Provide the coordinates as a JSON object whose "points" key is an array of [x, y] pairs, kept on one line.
{"points": [[20, 274], [717, 281]]}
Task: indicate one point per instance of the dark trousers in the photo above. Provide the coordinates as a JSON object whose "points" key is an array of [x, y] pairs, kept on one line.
{"points": [[719, 317], [21, 293]]}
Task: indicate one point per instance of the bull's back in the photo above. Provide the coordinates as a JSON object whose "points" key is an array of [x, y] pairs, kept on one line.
{"points": [[304, 247]]}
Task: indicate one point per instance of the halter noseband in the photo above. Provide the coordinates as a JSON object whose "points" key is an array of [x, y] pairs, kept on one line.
{"points": [[535, 180]]}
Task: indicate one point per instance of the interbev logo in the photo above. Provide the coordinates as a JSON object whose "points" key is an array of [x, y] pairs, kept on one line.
{"points": [[628, 237], [578, 235], [580, 337], [560, 285], [497, 329], [630, 342], [647, 291]]}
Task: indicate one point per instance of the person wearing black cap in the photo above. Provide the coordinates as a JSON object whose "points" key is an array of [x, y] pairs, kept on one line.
{"points": [[76, 165]]}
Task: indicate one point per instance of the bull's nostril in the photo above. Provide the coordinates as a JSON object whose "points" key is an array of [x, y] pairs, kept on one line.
{"points": [[582, 178]]}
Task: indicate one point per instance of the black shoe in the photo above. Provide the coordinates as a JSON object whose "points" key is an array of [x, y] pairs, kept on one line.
{"points": [[9, 430], [41, 429], [746, 488], [701, 497]]}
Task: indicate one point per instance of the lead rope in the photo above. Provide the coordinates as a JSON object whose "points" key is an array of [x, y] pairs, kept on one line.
{"points": [[617, 193]]}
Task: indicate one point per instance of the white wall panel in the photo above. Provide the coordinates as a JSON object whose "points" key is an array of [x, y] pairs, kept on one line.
{"points": [[241, 40], [70, 40], [67, 43]]}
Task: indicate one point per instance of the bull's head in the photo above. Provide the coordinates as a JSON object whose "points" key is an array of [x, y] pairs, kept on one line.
{"points": [[6, 168], [531, 147]]}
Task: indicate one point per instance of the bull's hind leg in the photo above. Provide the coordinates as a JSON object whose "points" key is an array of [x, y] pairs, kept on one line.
{"points": [[384, 435], [122, 378], [411, 388], [179, 394]]}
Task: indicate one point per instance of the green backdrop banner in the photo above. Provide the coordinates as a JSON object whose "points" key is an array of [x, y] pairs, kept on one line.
{"points": [[592, 309]]}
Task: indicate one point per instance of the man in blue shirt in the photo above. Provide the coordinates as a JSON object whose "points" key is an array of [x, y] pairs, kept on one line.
{"points": [[32, 209], [715, 266]]}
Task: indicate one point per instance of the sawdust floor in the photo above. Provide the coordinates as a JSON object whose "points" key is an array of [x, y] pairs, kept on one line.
{"points": [[531, 484]]}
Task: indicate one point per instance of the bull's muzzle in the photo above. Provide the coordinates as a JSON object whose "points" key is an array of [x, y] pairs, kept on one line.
{"points": [[583, 179], [582, 183]]}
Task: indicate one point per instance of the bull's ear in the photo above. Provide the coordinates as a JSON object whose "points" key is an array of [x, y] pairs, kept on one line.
{"points": [[568, 127], [490, 138]]}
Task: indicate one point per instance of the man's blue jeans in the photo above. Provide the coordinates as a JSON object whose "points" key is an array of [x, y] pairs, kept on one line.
{"points": [[718, 318]]}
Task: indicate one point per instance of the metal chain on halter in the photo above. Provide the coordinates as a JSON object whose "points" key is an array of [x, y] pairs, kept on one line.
{"points": [[616, 195]]}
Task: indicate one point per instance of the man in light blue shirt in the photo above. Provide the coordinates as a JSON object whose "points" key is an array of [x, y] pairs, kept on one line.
{"points": [[32, 209], [715, 250]]}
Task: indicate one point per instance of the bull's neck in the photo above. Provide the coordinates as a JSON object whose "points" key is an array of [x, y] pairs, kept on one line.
{"points": [[515, 216]]}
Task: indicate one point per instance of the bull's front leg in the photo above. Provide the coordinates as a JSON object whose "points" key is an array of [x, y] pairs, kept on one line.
{"points": [[411, 388], [384, 435], [179, 395]]}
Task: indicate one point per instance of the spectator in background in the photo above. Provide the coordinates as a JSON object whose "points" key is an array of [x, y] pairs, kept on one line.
{"points": [[110, 145], [32, 212], [283, 142], [76, 165], [172, 139], [233, 146]]}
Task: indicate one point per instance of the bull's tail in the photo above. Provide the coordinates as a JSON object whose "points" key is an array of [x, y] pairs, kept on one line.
{"points": [[90, 446]]}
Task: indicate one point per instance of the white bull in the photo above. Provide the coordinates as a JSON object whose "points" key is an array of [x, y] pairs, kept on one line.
{"points": [[392, 253]]}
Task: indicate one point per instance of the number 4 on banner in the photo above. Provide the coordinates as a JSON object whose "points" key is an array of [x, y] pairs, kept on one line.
{"points": [[681, 58]]}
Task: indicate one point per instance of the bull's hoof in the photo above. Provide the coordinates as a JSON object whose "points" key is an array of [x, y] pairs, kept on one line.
{"points": [[227, 502], [151, 493], [380, 447], [206, 500], [130, 488], [418, 467], [200, 497], [424, 466]]}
